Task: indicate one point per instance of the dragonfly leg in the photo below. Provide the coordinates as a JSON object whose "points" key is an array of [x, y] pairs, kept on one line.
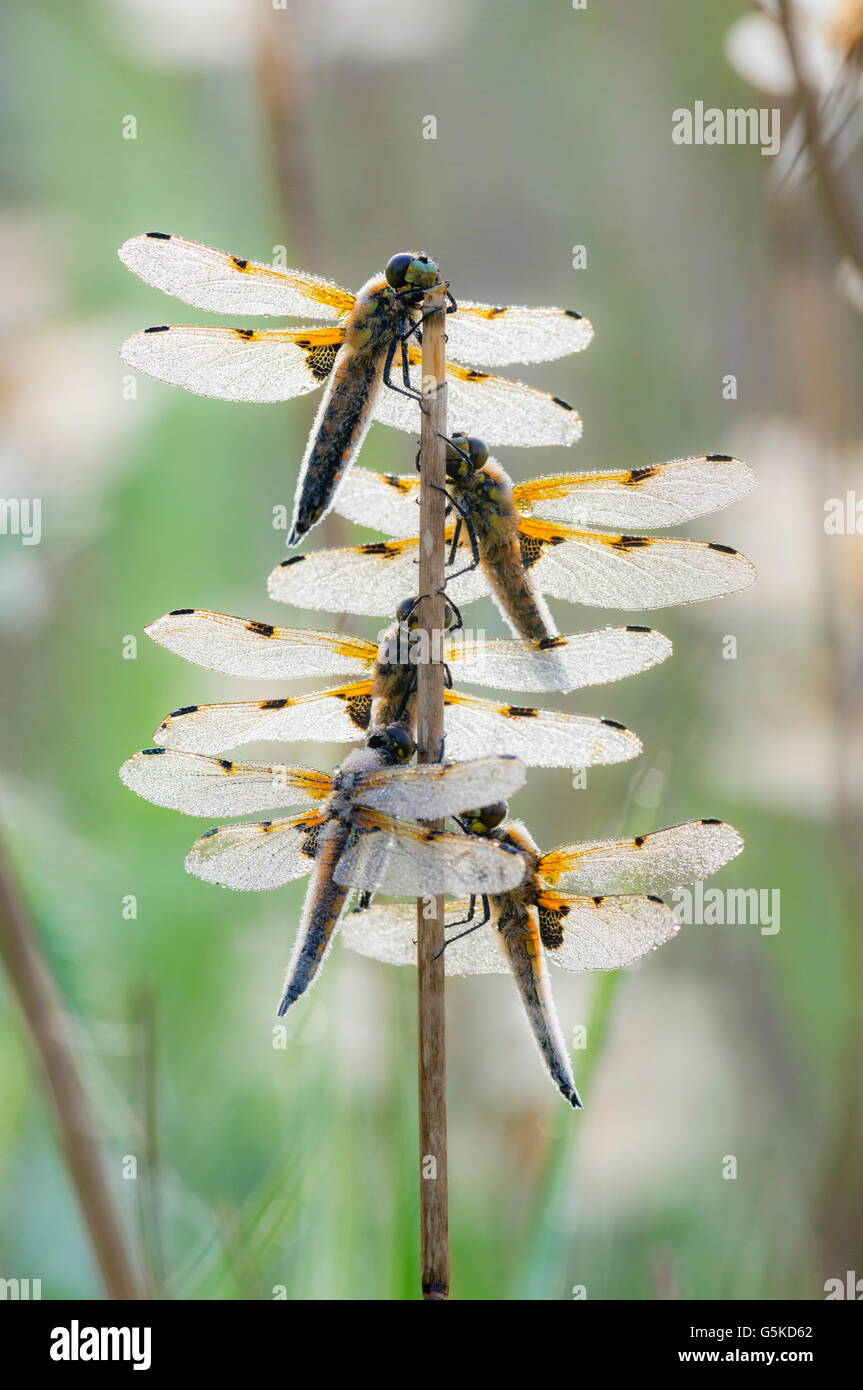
{"points": [[474, 926], [407, 389]]}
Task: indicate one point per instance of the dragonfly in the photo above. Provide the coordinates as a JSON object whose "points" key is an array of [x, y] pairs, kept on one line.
{"points": [[362, 834], [381, 687], [519, 542], [608, 914], [352, 359]]}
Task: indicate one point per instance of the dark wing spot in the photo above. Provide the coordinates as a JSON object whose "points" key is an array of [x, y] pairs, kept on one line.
{"points": [[260, 629], [160, 236], [710, 820], [718, 458], [294, 560], [726, 549], [639, 841], [641, 475], [652, 897], [377, 548], [493, 313], [151, 752], [531, 547], [598, 901], [432, 834], [320, 359], [309, 847], [565, 405], [159, 328], [359, 708], [573, 314], [547, 644], [476, 376], [634, 627], [179, 612], [521, 711], [630, 542], [207, 833], [551, 927], [265, 825], [184, 709], [272, 704], [226, 764], [395, 480], [245, 333], [613, 724], [239, 262]]}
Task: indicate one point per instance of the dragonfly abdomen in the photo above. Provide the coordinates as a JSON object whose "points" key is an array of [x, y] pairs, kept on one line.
{"points": [[519, 932], [322, 909], [524, 609]]}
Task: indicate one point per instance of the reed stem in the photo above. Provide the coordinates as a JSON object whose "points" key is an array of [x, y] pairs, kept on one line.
{"points": [[431, 1003]]}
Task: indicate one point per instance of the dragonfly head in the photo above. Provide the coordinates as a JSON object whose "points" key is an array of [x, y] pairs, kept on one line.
{"points": [[411, 270], [485, 820], [407, 614], [465, 455], [394, 742]]}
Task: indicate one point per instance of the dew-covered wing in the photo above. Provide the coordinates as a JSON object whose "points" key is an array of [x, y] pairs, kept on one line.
{"points": [[389, 502], [340, 715], [488, 335], [393, 856], [662, 494], [201, 786], [654, 863], [226, 284], [623, 571], [371, 579], [236, 364], [436, 790], [539, 737], [257, 650], [602, 933], [556, 663], [257, 855], [388, 932]]}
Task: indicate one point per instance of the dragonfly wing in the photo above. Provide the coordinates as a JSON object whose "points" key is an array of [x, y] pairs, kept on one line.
{"points": [[340, 715], [491, 336], [557, 663], [388, 932], [491, 407], [654, 863], [539, 737], [389, 502], [257, 855], [224, 284], [217, 787], [663, 494], [629, 571], [244, 647], [236, 364], [602, 933], [436, 790], [368, 579], [392, 856]]}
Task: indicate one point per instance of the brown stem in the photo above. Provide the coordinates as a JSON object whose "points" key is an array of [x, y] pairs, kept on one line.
{"points": [[837, 203], [434, 1225], [43, 1015]]}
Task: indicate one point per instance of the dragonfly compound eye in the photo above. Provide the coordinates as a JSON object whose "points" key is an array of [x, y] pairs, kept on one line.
{"points": [[410, 270], [406, 613], [394, 740], [486, 819]]}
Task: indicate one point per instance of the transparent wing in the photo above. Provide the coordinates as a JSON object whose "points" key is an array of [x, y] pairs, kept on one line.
{"points": [[217, 787], [236, 364], [436, 790], [646, 864], [490, 336], [388, 932], [629, 571], [491, 407], [663, 494], [387, 501], [256, 650], [392, 856], [254, 856], [369, 579], [557, 663], [602, 934], [339, 715], [539, 737], [225, 284]]}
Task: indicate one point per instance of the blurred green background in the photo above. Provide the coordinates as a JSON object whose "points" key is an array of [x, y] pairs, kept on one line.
{"points": [[302, 127]]}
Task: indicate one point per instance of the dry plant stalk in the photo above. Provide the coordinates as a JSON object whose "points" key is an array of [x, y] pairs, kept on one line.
{"points": [[43, 1015], [431, 1002]]}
